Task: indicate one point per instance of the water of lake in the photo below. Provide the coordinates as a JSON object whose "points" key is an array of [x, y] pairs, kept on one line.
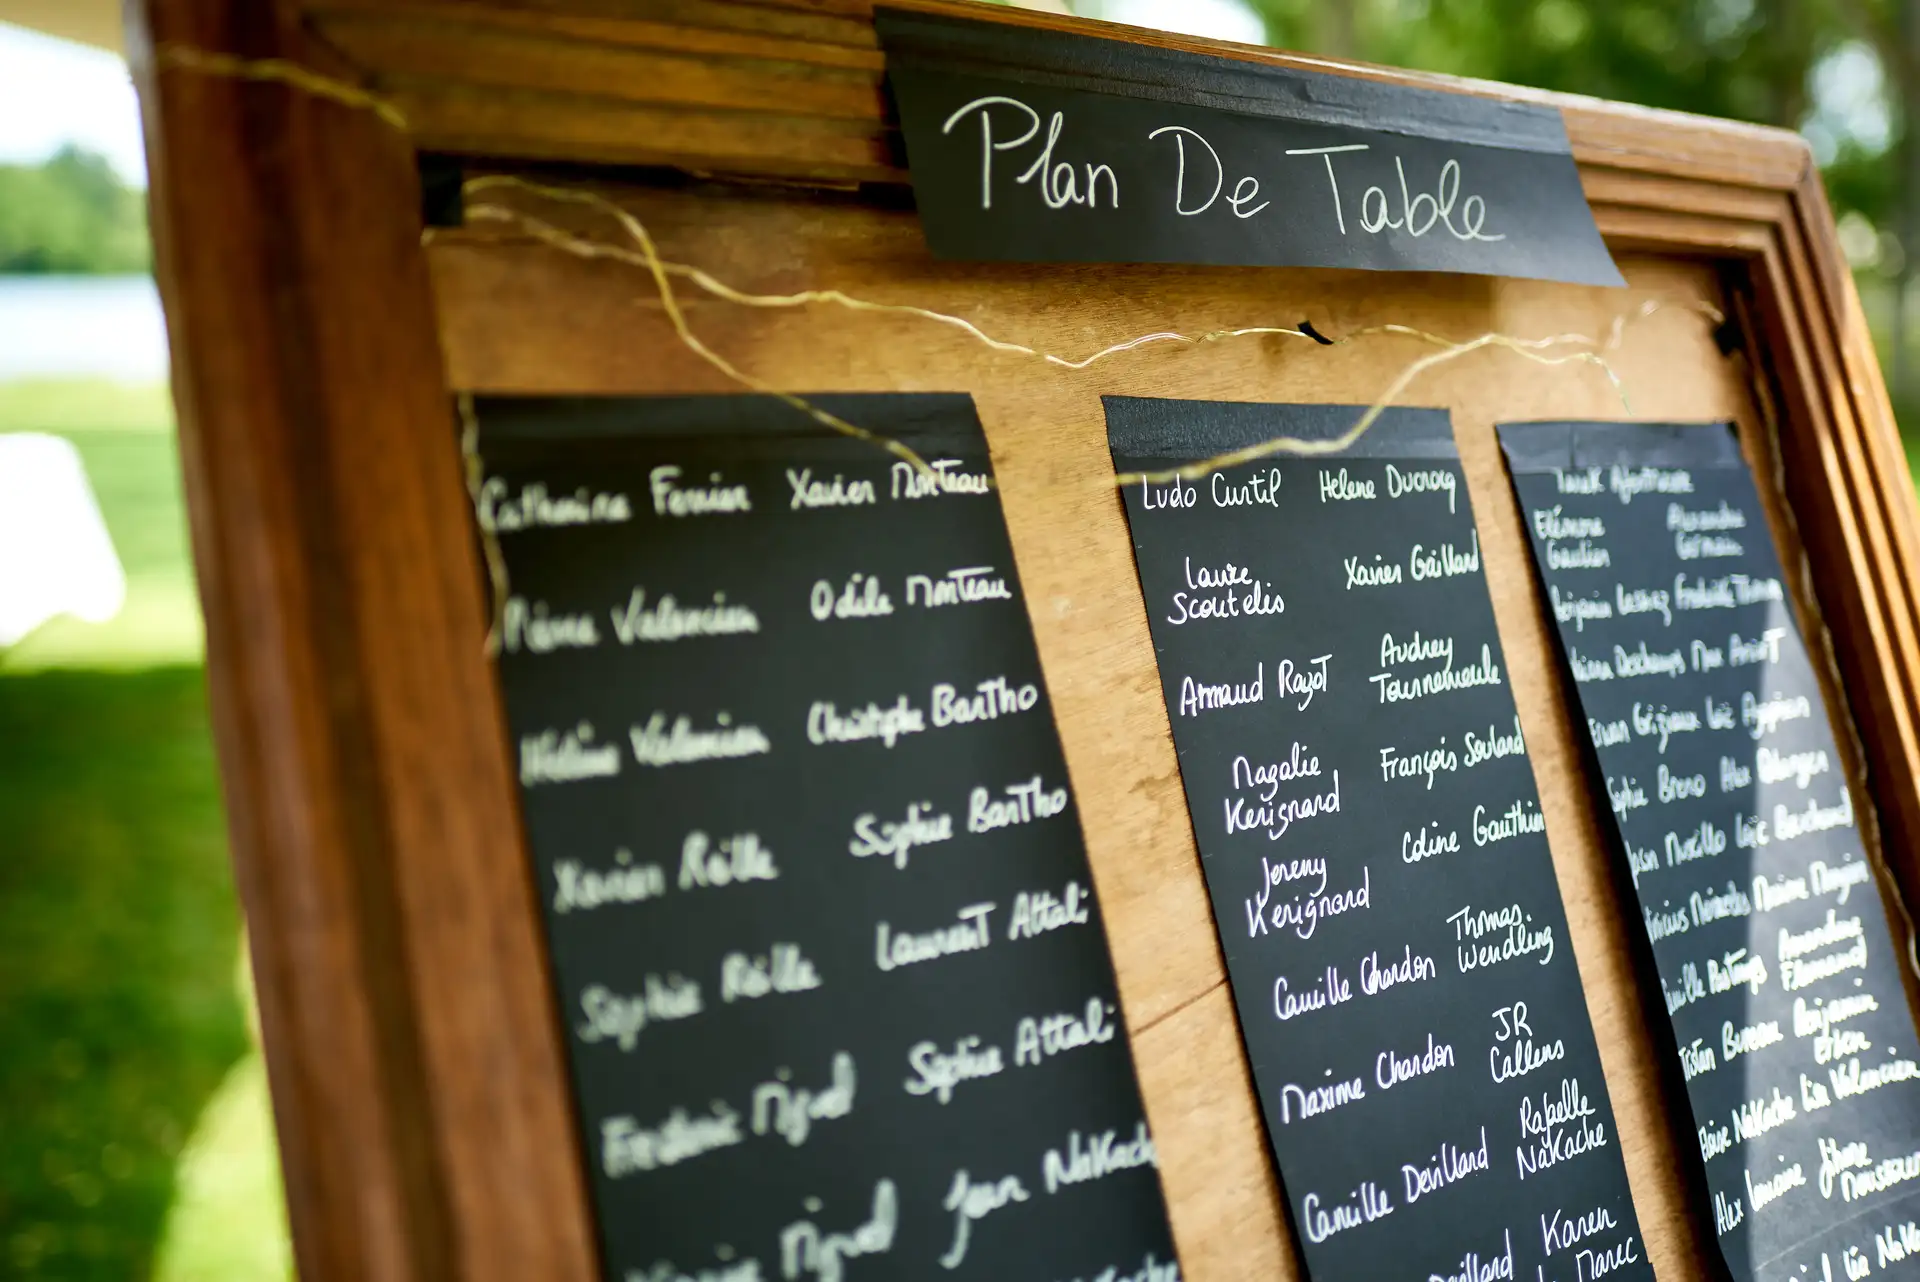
{"points": [[80, 326]]}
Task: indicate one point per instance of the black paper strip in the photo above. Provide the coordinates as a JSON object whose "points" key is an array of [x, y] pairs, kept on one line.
{"points": [[836, 990], [1047, 146], [1374, 850], [1712, 749]]}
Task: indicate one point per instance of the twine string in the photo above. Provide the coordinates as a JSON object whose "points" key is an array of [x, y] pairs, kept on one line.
{"points": [[495, 559], [206, 62]]}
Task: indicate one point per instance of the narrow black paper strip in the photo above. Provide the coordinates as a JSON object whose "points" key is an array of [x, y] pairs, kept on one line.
{"points": [[1374, 850], [1713, 751], [1046, 146], [835, 987]]}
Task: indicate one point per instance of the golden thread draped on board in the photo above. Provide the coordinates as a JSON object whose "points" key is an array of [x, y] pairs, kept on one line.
{"points": [[496, 560]]}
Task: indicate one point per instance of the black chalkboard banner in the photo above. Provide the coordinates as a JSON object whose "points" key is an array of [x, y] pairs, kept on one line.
{"points": [[836, 991], [1374, 850], [1713, 751], [1045, 146]]}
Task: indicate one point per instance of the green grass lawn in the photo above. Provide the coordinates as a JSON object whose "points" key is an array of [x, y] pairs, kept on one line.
{"points": [[134, 1134]]}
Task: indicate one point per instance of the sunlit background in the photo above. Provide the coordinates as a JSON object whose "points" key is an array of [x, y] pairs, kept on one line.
{"points": [[135, 1139]]}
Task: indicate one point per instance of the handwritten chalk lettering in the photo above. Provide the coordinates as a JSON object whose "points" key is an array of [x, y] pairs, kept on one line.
{"points": [[1256, 489], [736, 859], [1330, 989], [1508, 934], [668, 620], [1839, 879], [1513, 1055], [827, 724], [895, 841], [1728, 1213], [1214, 593], [1207, 162], [1305, 680], [780, 970], [1609, 734], [1024, 803], [1379, 574], [1364, 1205], [1418, 213], [501, 511], [578, 888], [1850, 1079], [938, 1073], [1838, 1045], [627, 1147], [1813, 1095], [1390, 1069], [1896, 1242], [971, 1202], [1755, 1117], [1671, 787], [991, 699], [1750, 833], [1174, 494], [948, 477], [1735, 776], [1703, 842], [1643, 601], [1304, 912], [1449, 1165], [1585, 481], [1813, 817], [1410, 968], [1271, 814], [1558, 1233], [1560, 1128], [1197, 697], [1425, 843], [1338, 487], [715, 498], [1665, 921], [1152, 1269], [1685, 990], [1820, 1019], [1060, 182], [1642, 662], [804, 1248], [1696, 1058], [1712, 906], [1852, 1169], [618, 1018], [1714, 1140], [1764, 716], [1586, 668], [1695, 547], [1578, 610], [555, 757], [1425, 763], [1040, 1038], [1518, 819], [1496, 745], [729, 1269], [1773, 1187], [1797, 972], [1593, 1265], [1036, 912], [1580, 554], [1626, 794], [789, 1111], [860, 598], [1475, 1267], [1096, 1157], [1650, 720], [1736, 969], [1629, 483], [1437, 480], [1445, 561], [1442, 680], [970, 933], [1801, 767], [811, 492], [1704, 657], [1551, 523], [654, 744], [537, 630], [964, 586], [1725, 593], [1765, 648]]}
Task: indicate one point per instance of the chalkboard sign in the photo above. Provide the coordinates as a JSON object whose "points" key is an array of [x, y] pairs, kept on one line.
{"points": [[1374, 849], [1047, 146], [1740, 839], [837, 995]]}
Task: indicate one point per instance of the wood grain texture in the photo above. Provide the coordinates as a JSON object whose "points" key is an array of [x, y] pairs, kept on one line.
{"points": [[414, 1065], [521, 317]]}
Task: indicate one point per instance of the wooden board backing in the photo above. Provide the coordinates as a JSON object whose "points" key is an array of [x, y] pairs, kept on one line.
{"points": [[518, 316]]}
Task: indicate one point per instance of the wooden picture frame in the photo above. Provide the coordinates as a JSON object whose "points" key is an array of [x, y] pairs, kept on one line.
{"points": [[413, 1043]]}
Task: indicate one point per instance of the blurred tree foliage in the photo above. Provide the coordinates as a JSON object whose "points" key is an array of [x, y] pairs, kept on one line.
{"points": [[71, 214]]}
